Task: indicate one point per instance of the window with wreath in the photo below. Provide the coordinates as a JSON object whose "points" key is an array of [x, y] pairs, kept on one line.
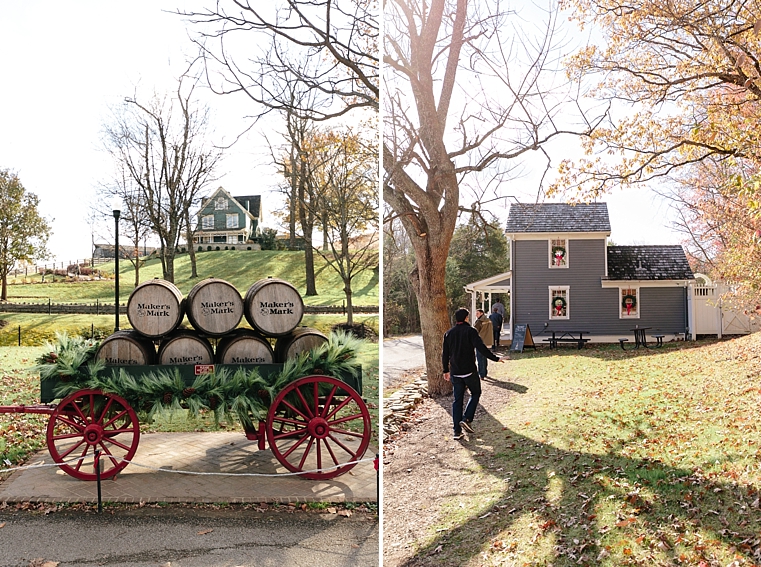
{"points": [[558, 253], [207, 222], [629, 302], [559, 306]]}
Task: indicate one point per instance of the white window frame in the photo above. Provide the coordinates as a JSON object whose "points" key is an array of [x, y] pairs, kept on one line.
{"points": [[232, 239], [206, 224], [234, 217], [553, 289], [220, 204], [621, 311], [550, 257]]}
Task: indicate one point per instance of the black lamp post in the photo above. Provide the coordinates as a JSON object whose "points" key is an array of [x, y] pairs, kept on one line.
{"points": [[117, 212]]}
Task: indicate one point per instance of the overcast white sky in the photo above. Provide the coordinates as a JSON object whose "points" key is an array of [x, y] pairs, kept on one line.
{"points": [[63, 65]]}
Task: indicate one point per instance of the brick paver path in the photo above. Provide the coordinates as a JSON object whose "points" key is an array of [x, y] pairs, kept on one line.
{"points": [[197, 452]]}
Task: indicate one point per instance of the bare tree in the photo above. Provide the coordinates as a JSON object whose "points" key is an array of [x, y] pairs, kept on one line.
{"points": [[162, 146], [469, 92], [344, 175], [329, 47], [132, 217]]}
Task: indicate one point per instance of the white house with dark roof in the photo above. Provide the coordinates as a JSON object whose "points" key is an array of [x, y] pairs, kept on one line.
{"points": [[565, 277], [227, 220]]}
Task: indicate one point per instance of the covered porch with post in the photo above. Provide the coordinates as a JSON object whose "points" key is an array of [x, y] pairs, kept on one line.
{"points": [[484, 293]]}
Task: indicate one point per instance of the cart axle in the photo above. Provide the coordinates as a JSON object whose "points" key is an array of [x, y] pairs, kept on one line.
{"points": [[46, 409]]}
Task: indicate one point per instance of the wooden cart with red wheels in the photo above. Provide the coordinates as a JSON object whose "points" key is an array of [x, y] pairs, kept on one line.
{"points": [[314, 423]]}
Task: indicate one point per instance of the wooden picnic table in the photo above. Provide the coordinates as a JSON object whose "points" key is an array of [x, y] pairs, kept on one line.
{"points": [[639, 336], [567, 337]]}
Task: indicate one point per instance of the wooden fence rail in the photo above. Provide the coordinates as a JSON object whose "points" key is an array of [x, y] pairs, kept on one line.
{"points": [[98, 308]]}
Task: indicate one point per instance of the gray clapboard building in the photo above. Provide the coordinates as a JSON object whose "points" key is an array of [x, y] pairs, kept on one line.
{"points": [[565, 276]]}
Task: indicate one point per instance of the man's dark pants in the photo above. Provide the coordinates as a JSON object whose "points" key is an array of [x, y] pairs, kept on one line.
{"points": [[497, 333], [472, 383], [482, 363]]}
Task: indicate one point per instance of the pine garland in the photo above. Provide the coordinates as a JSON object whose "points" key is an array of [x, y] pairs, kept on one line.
{"points": [[242, 395]]}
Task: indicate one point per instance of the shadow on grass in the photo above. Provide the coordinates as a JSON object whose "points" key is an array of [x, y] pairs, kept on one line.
{"points": [[562, 507]]}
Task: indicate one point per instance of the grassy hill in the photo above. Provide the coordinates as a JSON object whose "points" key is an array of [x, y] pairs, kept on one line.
{"points": [[239, 267]]}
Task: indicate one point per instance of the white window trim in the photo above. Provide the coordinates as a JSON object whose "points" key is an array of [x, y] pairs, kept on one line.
{"points": [[621, 314], [567, 290], [205, 225], [232, 216], [550, 262]]}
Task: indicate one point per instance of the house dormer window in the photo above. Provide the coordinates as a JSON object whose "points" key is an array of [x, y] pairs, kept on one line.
{"points": [[207, 222], [628, 303], [559, 302], [558, 252], [220, 204]]}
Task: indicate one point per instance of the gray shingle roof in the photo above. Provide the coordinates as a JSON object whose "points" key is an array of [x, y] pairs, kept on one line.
{"points": [[558, 217], [648, 263]]}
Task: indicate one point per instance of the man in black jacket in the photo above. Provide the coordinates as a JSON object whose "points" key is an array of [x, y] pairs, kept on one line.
{"points": [[459, 361]]}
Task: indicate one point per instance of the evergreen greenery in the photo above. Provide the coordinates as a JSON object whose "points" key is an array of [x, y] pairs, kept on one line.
{"points": [[243, 395]]}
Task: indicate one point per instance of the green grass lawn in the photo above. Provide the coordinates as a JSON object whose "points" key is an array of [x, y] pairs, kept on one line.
{"points": [[605, 457], [239, 267]]}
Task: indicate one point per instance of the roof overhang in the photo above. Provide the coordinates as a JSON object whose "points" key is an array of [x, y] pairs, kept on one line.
{"points": [[488, 284], [549, 235], [646, 283]]}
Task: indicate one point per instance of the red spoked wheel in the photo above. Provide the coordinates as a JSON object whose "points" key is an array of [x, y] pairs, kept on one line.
{"points": [[89, 421], [318, 422]]}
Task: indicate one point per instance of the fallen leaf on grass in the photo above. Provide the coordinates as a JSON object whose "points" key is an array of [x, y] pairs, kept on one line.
{"points": [[346, 513], [332, 510], [204, 532]]}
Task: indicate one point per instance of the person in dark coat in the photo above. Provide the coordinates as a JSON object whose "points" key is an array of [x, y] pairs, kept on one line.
{"points": [[459, 363], [496, 325]]}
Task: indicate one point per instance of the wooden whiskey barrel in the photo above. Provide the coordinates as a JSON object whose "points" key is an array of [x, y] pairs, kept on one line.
{"points": [[185, 347], [298, 341], [155, 308], [214, 307], [244, 346], [273, 307], [126, 348]]}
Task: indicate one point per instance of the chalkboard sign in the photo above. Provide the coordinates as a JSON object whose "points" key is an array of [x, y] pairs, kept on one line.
{"points": [[522, 338]]}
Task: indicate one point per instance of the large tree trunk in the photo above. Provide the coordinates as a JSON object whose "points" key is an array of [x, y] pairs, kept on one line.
{"points": [[4, 294], [434, 321]]}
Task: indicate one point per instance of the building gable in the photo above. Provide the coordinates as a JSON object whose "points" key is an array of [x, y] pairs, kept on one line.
{"points": [[558, 218]]}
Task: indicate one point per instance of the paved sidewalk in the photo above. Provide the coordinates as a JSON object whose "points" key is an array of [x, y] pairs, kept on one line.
{"points": [[197, 452]]}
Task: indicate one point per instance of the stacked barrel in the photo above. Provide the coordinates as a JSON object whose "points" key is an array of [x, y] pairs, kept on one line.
{"points": [[214, 308]]}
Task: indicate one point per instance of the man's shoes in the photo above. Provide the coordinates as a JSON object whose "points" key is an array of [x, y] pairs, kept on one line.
{"points": [[466, 426], [457, 436]]}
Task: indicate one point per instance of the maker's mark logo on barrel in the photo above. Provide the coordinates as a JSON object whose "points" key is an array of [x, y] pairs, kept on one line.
{"points": [[267, 308], [153, 310], [217, 308]]}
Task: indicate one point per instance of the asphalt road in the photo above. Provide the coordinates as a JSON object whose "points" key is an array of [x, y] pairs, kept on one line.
{"points": [[401, 355], [179, 537]]}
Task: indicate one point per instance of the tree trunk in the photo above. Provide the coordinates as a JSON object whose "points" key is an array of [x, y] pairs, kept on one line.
{"points": [[434, 320], [309, 266], [4, 294], [349, 304]]}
